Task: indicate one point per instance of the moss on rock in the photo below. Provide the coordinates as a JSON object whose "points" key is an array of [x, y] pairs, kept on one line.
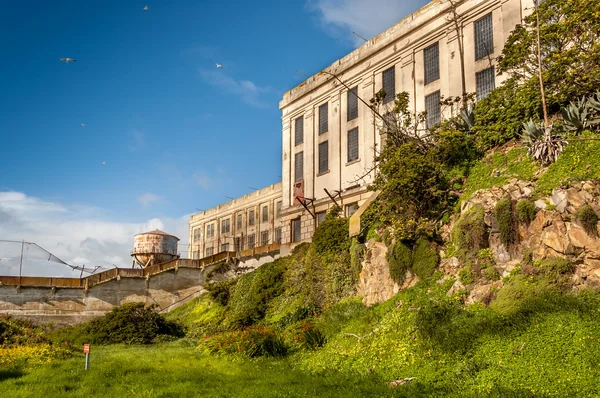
{"points": [[469, 234], [588, 219]]}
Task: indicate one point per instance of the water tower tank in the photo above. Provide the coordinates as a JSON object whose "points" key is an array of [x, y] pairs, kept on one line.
{"points": [[154, 247]]}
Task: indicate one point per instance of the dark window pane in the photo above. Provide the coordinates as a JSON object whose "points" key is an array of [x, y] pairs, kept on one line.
{"points": [[431, 56], [484, 37], [389, 84], [296, 230], [264, 238], [278, 209], [239, 221], [486, 82], [265, 213], [251, 241], [251, 217], [323, 157], [323, 119], [432, 107], [353, 144], [299, 137], [353, 103], [321, 217], [299, 166], [278, 234]]}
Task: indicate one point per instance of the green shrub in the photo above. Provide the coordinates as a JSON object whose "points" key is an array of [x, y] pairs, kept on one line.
{"points": [[255, 341], [251, 295], [357, 251], [469, 234], [505, 220], [311, 337], [425, 258], [131, 323], [588, 219], [525, 210], [219, 268], [399, 258], [555, 267], [15, 332], [221, 291], [467, 275], [491, 273], [332, 236]]}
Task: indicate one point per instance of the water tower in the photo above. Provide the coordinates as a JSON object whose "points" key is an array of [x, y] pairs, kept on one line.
{"points": [[154, 247]]}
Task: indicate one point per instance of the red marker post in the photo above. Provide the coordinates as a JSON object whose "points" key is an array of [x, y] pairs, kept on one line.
{"points": [[86, 350]]}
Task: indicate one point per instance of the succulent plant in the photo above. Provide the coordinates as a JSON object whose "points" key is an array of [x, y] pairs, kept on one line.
{"points": [[576, 115], [467, 118], [543, 145]]}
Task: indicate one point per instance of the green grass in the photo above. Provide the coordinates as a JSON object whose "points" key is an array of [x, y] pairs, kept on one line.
{"points": [[178, 370]]}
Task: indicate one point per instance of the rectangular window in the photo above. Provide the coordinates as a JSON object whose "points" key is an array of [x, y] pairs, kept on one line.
{"points": [[299, 130], [323, 119], [433, 109], [278, 235], [278, 209], [226, 226], [299, 166], [351, 209], [251, 217], [239, 221], [485, 82], [389, 84], [353, 144], [353, 103], [251, 241], [265, 213], [196, 255], [296, 230], [225, 247], [431, 58], [320, 217], [209, 251], [484, 37], [210, 230], [264, 238], [323, 157], [197, 235]]}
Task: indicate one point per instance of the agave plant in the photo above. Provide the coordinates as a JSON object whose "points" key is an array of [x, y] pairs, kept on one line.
{"points": [[466, 120], [543, 145], [594, 102], [576, 115]]}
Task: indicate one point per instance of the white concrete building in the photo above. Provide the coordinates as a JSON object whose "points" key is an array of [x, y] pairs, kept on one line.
{"points": [[330, 138], [249, 222]]}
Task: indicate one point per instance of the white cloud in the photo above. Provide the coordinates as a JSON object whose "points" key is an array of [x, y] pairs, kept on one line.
{"points": [[248, 92], [147, 199], [74, 233], [203, 180], [368, 18]]}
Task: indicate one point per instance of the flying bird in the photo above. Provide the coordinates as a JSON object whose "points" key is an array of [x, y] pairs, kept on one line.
{"points": [[219, 66], [145, 8], [67, 60]]}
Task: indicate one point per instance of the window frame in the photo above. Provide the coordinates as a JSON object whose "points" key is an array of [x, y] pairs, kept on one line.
{"points": [[323, 164], [391, 82], [428, 122], [299, 176], [265, 213], [483, 36], [324, 118], [299, 130], [251, 217], [431, 70], [352, 104], [348, 148]]}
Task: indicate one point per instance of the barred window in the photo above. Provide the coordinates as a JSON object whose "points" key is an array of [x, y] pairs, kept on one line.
{"points": [[251, 241], [323, 157], [296, 230], [433, 109], [209, 251], [225, 247], [239, 221], [210, 230], [431, 58], [278, 209], [265, 213], [353, 144], [323, 119], [485, 82], [299, 130], [278, 234], [225, 226], [321, 217], [197, 234], [353, 103], [484, 37], [264, 238], [389, 84], [299, 166], [251, 217]]}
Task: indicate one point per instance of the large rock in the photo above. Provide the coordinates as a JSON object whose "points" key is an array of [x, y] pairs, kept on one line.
{"points": [[376, 284]]}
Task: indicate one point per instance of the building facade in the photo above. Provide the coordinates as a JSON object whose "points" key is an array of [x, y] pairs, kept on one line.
{"points": [[330, 136], [247, 222]]}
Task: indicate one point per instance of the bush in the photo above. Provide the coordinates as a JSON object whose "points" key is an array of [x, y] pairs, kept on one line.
{"points": [[15, 332], [425, 258], [311, 337], [467, 275], [491, 273], [525, 210], [221, 291], [253, 342], [505, 220], [131, 323], [399, 259], [588, 219], [357, 251], [554, 267], [332, 235], [251, 295], [469, 234]]}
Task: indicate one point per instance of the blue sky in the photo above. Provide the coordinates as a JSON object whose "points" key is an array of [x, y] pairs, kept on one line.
{"points": [[176, 133]]}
